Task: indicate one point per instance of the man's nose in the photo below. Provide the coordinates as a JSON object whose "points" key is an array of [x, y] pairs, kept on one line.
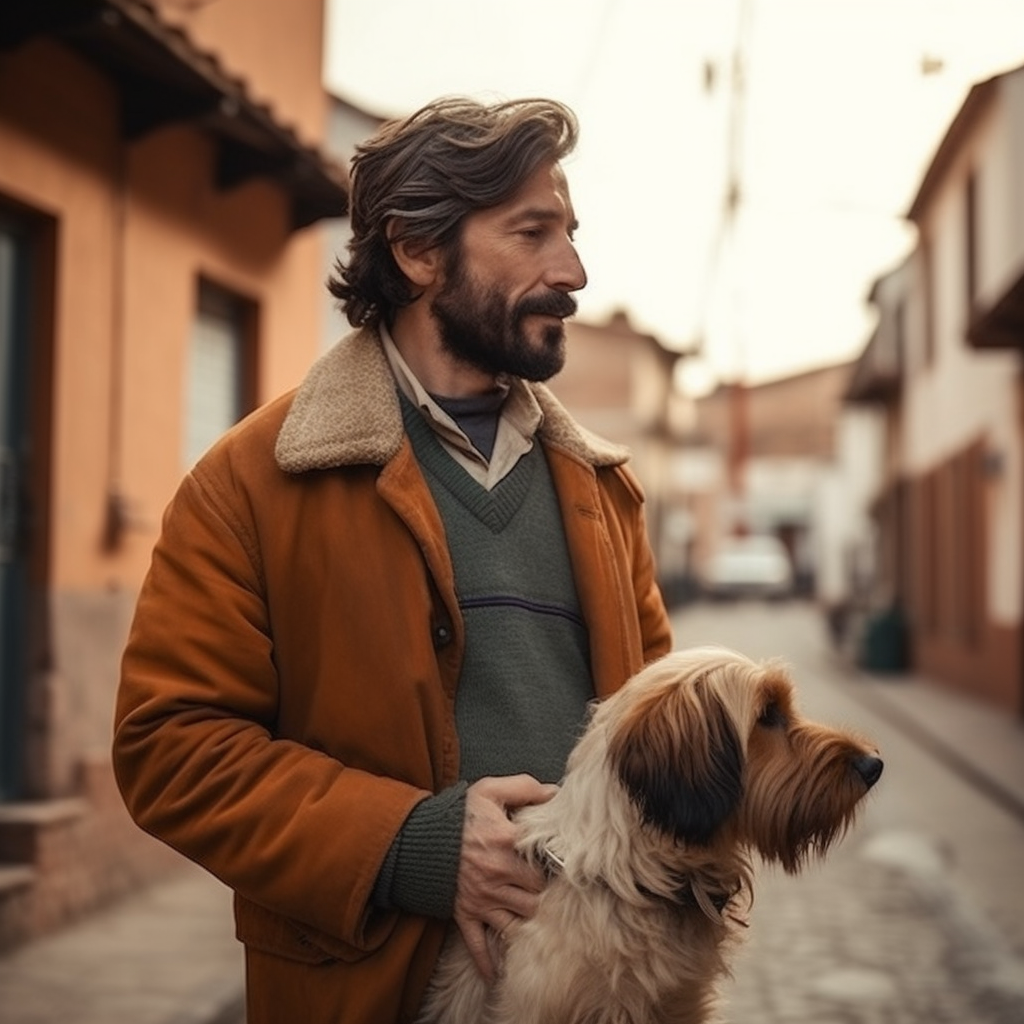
{"points": [[567, 273]]}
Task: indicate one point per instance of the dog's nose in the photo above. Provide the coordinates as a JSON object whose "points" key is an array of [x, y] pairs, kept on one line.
{"points": [[869, 768]]}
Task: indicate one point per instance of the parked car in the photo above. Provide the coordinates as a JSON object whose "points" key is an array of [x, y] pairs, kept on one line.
{"points": [[753, 566]]}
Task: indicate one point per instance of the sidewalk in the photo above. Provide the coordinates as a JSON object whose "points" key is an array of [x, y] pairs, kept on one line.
{"points": [[168, 954], [981, 743]]}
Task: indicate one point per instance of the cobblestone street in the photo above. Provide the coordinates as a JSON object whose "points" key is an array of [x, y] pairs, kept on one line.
{"points": [[864, 941], [916, 916]]}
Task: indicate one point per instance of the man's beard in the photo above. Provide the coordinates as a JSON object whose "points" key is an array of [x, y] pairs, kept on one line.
{"points": [[479, 327]]}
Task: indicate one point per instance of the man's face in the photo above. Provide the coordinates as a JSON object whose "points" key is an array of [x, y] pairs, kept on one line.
{"points": [[508, 280]]}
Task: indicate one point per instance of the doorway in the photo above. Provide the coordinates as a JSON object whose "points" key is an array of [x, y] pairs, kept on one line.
{"points": [[15, 408]]}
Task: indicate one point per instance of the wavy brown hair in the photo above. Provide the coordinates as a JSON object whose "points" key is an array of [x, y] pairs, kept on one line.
{"points": [[417, 178]]}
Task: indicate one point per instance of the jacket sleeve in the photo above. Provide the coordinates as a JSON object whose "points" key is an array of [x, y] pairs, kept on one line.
{"points": [[288, 827], [655, 626], [654, 621]]}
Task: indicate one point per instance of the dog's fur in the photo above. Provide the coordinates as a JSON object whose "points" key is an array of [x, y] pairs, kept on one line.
{"points": [[700, 760]]}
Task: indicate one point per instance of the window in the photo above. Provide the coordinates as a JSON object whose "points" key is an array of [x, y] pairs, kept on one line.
{"points": [[970, 244], [968, 549], [928, 547], [220, 386], [27, 261], [928, 300], [900, 338]]}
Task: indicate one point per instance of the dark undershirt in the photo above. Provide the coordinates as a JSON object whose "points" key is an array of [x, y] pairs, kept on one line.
{"points": [[477, 417]]}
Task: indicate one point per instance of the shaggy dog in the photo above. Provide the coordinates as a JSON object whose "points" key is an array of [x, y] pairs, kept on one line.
{"points": [[699, 761]]}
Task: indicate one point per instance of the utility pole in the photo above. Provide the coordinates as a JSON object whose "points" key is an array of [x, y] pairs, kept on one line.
{"points": [[738, 448]]}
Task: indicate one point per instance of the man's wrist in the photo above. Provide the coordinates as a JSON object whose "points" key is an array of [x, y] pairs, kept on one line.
{"points": [[420, 872]]}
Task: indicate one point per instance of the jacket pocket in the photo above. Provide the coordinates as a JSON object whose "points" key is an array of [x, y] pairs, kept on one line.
{"points": [[262, 929]]}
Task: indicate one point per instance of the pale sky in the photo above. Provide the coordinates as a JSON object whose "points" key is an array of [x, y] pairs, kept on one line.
{"points": [[838, 123]]}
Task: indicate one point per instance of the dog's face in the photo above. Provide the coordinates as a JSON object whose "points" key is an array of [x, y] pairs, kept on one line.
{"points": [[711, 748]]}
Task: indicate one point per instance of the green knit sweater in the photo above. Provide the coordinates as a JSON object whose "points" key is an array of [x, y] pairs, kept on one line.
{"points": [[525, 681]]}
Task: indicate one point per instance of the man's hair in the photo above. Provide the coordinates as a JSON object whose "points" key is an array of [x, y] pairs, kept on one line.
{"points": [[419, 177]]}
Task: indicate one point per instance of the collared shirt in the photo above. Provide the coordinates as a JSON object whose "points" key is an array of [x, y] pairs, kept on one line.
{"points": [[519, 420]]}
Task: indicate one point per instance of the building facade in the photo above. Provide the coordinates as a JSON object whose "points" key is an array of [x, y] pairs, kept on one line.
{"points": [[161, 187], [754, 463], [618, 381], [944, 369], [347, 125]]}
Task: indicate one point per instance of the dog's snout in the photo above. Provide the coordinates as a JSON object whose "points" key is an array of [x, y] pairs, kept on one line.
{"points": [[869, 768]]}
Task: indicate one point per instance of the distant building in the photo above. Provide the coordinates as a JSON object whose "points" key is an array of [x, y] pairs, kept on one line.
{"points": [[618, 382], [754, 462], [748, 459], [347, 125], [161, 182], [944, 371]]}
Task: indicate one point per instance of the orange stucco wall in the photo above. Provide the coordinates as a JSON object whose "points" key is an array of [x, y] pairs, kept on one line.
{"points": [[126, 231], [276, 48], [60, 156], [150, 208], [178, 230]]}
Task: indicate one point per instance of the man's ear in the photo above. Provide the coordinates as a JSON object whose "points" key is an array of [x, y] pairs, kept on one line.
{"points": [[421, 263]]}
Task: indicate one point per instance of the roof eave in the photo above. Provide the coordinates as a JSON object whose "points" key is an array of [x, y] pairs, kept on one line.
{"points": [[162, 78], [1001, 324], [977, 100]]}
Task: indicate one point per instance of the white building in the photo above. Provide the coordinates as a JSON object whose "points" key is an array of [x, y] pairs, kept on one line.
{"points": [[945, 368]]}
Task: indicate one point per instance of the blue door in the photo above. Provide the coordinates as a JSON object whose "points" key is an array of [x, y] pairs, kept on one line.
{"points": [[14, 406]]}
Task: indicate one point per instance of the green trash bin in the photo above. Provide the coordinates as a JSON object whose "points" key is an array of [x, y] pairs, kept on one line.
{"points": [[884, 645]]}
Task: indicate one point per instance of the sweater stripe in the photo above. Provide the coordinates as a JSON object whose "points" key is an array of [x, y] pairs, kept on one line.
{"points": [[509, 601]]}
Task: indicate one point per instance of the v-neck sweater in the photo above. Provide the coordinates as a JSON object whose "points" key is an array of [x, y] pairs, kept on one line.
{"points": [[525, 679], [525, 682]]}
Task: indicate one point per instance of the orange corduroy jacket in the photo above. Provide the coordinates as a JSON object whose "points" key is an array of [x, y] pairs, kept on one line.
{"points": [[287, 690]]}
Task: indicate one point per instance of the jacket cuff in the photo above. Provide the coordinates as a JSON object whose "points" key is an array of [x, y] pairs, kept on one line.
{"points": [[420, 872]]}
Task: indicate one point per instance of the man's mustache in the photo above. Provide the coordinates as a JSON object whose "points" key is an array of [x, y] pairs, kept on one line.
{"points": [[560, 304]]}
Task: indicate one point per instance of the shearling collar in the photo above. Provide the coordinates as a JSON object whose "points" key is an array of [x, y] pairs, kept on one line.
{"points": [[346, 412]]}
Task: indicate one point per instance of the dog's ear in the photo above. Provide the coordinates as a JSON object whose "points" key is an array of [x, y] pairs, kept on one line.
{"points": [[680, 759]]}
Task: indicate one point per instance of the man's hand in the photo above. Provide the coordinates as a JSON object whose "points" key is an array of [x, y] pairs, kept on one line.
{"points": [[496, 886]]}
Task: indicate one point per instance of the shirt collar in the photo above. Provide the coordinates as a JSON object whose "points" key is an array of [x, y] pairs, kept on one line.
{"points": [[521, 409]]}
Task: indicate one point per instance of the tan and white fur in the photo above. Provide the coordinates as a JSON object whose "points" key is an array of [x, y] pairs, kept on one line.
{"points": [[700, 761]]}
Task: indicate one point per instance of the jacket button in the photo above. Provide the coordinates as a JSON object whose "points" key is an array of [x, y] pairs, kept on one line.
{"points": [[442, 636]]}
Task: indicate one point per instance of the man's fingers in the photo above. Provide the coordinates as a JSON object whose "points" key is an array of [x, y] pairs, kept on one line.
{"points": [[489, 906], [475, 937], [520, 902], [496, 885], [518, 874], [512, 791]]}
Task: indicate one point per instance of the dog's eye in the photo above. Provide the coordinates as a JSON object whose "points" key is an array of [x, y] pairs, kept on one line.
{"points": [[772, 717]]}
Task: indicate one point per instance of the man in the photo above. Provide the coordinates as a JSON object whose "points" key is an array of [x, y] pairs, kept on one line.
{"points": [[380, 605]]}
